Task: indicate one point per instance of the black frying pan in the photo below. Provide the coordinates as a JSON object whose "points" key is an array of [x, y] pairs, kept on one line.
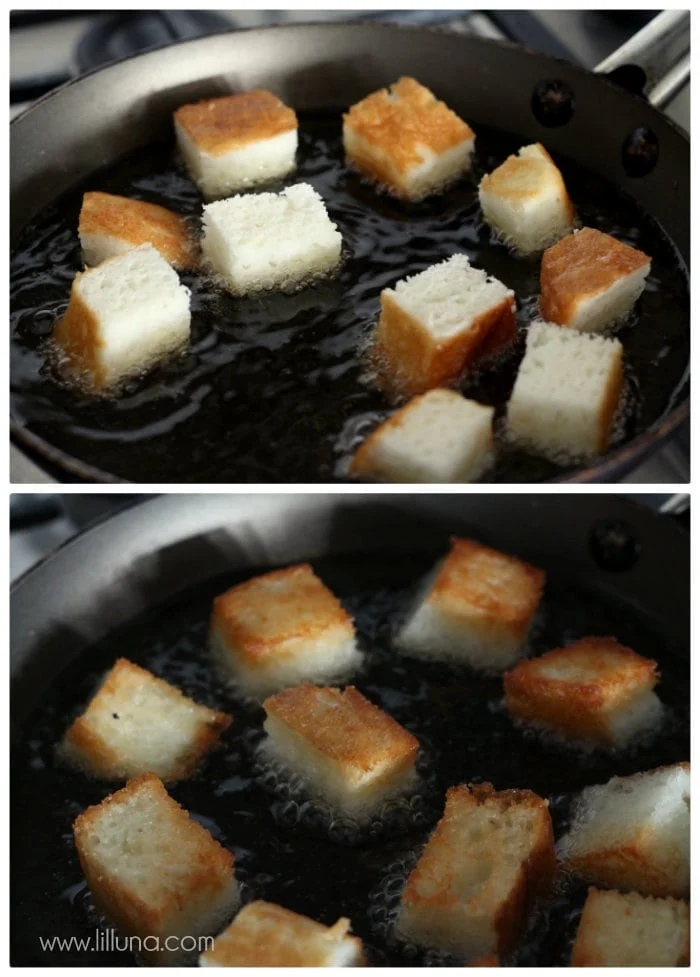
{"points": [[141, 583], [273, 388]]}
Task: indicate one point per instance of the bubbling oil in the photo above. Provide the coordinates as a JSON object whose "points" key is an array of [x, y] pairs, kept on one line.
{"points": [[274, 388]]}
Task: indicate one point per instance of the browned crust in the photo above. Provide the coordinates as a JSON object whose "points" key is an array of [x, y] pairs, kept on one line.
{"points": [[266, 935], [627, 868], [132, 913], [582, 265], [610, 402], [396, 122], [77, 335], [498, 586], [137, 222], [255, 626], [220, 125], [353, 732], [104, 761], [579, 708], [536, 874], [409, 361], [585, 952], [509, 180]]}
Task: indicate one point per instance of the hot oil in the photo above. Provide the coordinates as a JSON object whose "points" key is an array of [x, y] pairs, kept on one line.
{"points": [[457, 716], [275, 387]]}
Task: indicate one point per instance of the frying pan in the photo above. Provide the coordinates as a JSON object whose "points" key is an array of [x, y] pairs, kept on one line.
{"points": [[141, 583], [235, 411]]}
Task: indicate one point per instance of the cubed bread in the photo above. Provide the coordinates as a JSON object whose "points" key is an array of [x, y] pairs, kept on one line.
{"points": [[346, 751], [266, 935], [123, 317], [633, 833], [237, 141], [110, 225], [490, 859], [476, 609], [594, 690], [281, 629], [407, 141], [566, 395], [264, 241], [629, 930], [136, 723], [589, 280], [437, 437], [525, 200], [153, 871], [435, 325]]}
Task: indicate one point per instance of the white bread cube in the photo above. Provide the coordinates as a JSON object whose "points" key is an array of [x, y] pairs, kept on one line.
{"points": [[589, 280], [435, 325], [525, 200], [123, 317], [407, 141], [437, 437], [153, 871], [281, 629], [633, 833], [266, 935], [490, 859], [594, 690], [136, 723], [476, 609], [346, 751], [236, 142], [566, 394], [629, 930], [110, 225], [264, 241]]}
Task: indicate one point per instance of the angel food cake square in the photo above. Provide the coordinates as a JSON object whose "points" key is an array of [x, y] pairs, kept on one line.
{"points": [[281, 629], [476, 609], [238, 141], [346, 750], [265, 241], [434, 325], [136, 723], [407, 140], [266, 935]]}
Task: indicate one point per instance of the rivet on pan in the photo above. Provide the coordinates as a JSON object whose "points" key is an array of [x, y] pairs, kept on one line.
{"points": [[614, 546], [640, 152], [553, 103]]}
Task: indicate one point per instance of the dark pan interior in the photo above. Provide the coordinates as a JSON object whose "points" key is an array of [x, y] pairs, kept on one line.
{"points": [[457, 716], [276, 388]]}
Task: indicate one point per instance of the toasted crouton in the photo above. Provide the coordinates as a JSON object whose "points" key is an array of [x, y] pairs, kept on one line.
{"points": [[123, 317], [346, 751], [407, 141], [110, 225], [593, 690], [489, 860], [630, 930], [589, 280], [154, 871], [235, 142], [437, 437], [266, 935], [476, 609], [526, 202], [633, 833], [136, 723], [265, 241], [435, 325], [566, 395], [280, 629]]}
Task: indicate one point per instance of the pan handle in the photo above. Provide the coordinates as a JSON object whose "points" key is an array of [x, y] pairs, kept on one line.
{"points": [[660, 55]]}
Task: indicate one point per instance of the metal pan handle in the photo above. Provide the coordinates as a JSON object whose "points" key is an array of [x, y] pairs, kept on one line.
{"points": [[661, 51]]}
